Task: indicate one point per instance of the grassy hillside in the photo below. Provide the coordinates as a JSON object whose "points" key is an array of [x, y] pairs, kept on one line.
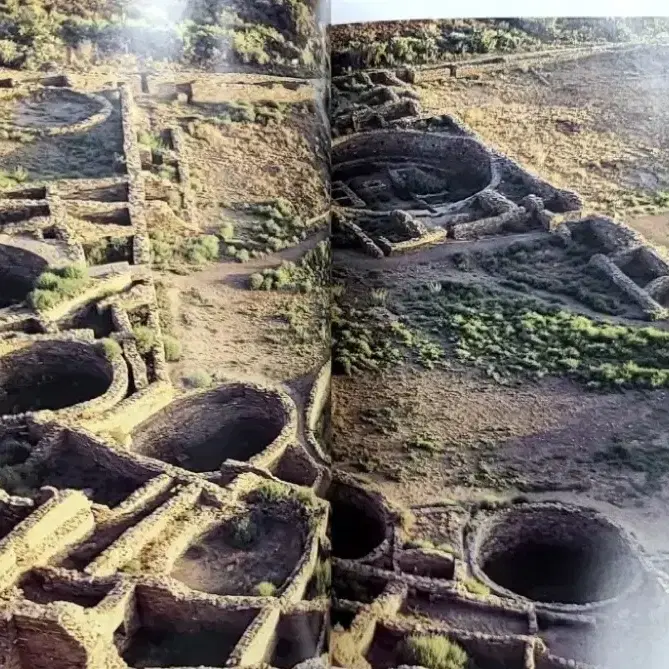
{"points": [[422, 42], [204, 33]]}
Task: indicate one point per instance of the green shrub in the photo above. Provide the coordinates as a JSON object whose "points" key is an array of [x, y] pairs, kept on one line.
{"points": [[265, 589], [111, 348], [145, 339], [202, 249], [48, 281], [434, 652], [14, 177], [312, 271], [152, 141], [171, 250], [10, 53], [256, 281], [227, 231], [76, 271], [172, 348], [43, 300], [271, 492], [54, 286], [505, 336], [198, 379]]}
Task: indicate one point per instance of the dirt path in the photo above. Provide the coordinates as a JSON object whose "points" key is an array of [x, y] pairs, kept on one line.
{"points": [[357, 260]]}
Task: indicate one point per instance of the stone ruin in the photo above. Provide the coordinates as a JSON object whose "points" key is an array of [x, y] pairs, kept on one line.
{"points": [[137, 528], [622, 255], [520, 585], [403, 180]]}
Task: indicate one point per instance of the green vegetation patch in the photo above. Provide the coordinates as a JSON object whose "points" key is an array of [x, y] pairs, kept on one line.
{"points": [[368, 338], [198, 378], [277, 226], [422, 42], [111, 349], [310, 273], [265, 589], [506, 336], [153, 141], [145, 339], [262, 112], [434, 652], [15, 177], [57, 285], [171, 251], [475, 587], [211, 33]]}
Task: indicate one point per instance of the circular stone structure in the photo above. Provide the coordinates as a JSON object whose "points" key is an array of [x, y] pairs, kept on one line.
{"points": [[555, 554], [358, 522], [391, 169], [52, 375], [201, 431], [19, 270], [48, 108]]}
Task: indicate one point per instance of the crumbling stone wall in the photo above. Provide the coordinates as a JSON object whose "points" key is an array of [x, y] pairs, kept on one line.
{"points": [[461, 153], [606, 266], [136, 191]]}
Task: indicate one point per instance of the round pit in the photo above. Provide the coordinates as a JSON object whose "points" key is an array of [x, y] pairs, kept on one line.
{"points": [[52, 375], [18, 271], [389, 170], [357, 522], [48, 108], [200, 432], [555, 554]]}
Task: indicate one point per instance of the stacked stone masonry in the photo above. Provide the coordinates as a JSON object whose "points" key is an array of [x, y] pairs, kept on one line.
{"points": [[105, 548], [406, 181]]}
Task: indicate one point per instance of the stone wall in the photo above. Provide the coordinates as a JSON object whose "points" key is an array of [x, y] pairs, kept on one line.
{"points": [[58, 523], [451, 153], [608, 268]]}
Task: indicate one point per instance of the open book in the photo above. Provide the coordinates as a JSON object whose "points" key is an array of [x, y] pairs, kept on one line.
{"points": [[333, 346]]}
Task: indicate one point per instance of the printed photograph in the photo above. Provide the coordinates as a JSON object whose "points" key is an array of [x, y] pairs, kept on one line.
{"points": [[332, 345], [164, 336], [500, 343]]}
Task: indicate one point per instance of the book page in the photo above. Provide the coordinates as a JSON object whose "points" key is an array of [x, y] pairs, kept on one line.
{"points": [[500, 344], [164, 336]]}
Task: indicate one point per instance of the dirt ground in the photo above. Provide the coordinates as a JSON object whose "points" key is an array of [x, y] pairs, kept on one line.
{"points": [[239, 163], [217, 565], [597, 125], [252, 331], [485, 440]]}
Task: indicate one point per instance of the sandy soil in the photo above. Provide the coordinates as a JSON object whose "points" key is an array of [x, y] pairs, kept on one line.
{"points": [[597, 125], [250, 330], [543, 438]]}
